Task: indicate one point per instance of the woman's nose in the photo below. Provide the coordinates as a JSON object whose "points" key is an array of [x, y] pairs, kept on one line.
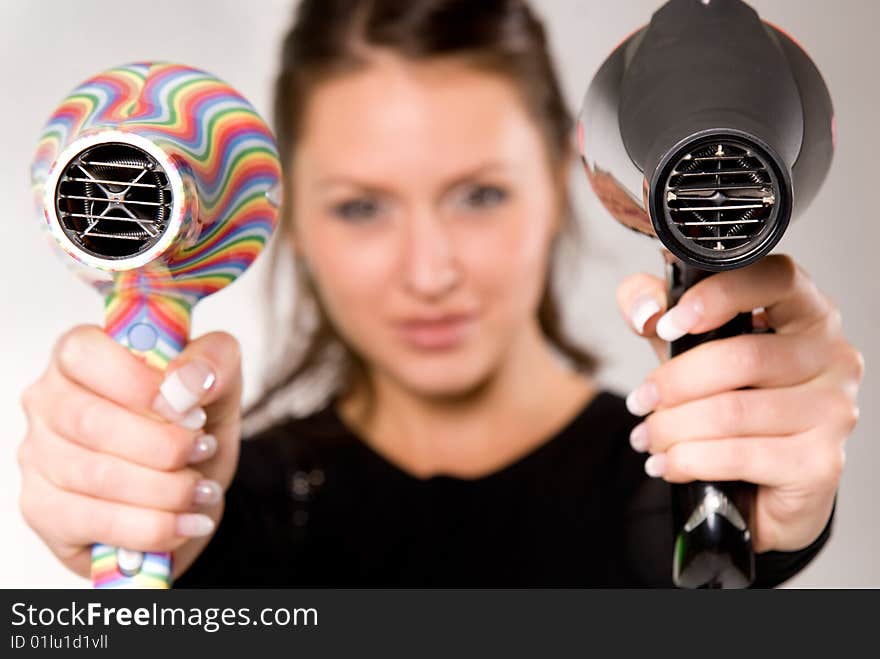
{"points": [[430, 266]]}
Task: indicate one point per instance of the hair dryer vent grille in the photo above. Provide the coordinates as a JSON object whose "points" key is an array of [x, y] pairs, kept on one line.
{"points": [[113, 200], [721, 196]]}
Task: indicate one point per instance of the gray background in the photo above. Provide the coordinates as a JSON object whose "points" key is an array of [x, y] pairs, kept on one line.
{"points": [[47, 47]]}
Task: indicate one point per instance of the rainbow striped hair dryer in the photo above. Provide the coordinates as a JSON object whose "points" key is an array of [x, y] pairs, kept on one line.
{"points": [[708, 129], [161, 185]]}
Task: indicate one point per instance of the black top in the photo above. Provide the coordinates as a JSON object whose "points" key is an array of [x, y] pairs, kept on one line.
{"points": [[312, 505]]}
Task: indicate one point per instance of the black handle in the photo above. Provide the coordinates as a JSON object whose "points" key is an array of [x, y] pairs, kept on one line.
{"points": [[713, 544]]}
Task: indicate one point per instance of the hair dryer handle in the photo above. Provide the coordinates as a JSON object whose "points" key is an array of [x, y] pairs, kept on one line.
{"points": [[156, 329], [713, 544]]}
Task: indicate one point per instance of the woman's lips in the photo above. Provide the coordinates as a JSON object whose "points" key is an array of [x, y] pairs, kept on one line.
{"points": [[436, 333]]}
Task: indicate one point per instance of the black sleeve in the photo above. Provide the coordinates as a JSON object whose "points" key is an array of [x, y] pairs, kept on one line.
{"points": [[774, 567]]}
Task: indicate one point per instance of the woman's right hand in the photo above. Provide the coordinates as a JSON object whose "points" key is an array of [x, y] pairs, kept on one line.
{"points": [[124, 454]]}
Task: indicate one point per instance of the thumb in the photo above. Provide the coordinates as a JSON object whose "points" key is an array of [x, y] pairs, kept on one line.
{"points": [[641, 299], [203, 380]]}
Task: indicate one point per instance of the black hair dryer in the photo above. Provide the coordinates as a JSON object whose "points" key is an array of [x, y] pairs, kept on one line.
{"points": [[708, 129]]}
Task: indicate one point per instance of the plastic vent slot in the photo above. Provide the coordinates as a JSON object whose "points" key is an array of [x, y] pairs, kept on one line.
{"points": [[113, 201], [720, 197]]}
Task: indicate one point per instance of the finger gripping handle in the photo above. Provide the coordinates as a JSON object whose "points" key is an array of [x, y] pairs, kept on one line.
{"points": [[713, 543]]}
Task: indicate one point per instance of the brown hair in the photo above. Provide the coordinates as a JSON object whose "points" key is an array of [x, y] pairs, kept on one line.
{"points": [[333, 37]]}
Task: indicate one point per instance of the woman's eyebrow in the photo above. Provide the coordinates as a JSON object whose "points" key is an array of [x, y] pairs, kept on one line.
{"points": [[351, 182], [484, 168], [452, 181]]}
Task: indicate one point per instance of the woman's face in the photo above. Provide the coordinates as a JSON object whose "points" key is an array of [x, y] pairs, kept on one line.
{"points": [[425, 208]]}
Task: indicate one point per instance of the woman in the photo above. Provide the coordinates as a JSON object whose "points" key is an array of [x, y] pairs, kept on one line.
{"points": [[426, 147]]}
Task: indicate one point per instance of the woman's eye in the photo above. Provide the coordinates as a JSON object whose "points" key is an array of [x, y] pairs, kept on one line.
{"points": [[357, 209], [482, 196]]}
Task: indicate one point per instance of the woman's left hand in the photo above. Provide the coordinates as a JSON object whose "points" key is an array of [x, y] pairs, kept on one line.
{"points": [[786, 432]]}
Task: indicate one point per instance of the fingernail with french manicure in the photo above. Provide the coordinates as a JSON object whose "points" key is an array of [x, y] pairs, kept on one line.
{"points": [[643, 399], [679, 320], [207, 492], [204, 447], [643, 309], [655, 466], [638, 438], [194, 419], [183, 388], [193, 525]]}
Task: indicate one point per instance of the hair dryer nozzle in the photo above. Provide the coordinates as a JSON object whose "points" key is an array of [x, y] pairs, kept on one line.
{"points": [[720, 200], [113, 199]]}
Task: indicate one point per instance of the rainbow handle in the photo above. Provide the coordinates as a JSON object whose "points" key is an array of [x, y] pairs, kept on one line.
{"points": [[155, 328], [153, 570]]}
